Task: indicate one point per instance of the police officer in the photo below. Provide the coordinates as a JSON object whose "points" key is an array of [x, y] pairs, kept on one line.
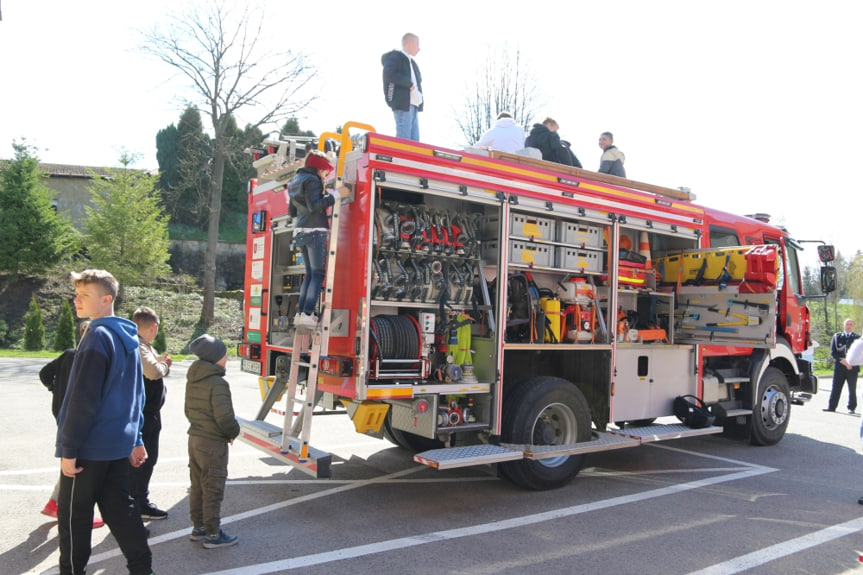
{"points": [[842, 370]]}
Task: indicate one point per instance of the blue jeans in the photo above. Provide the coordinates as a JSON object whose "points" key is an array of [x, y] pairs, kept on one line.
{"points": [[313, 246], [407, 126]]}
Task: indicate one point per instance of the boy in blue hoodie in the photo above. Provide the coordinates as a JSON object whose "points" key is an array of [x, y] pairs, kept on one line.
{"points": [[99, 431]]}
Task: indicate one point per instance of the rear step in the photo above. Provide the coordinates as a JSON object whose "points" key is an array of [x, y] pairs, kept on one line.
{"points": [[454, 457], [651, 433], [268, 438]]}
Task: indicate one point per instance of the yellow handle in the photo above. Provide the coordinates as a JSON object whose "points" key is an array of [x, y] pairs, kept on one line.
{"points": [[345, 143]]}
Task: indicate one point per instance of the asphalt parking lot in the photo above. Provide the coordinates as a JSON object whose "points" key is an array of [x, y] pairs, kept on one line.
{"points": [[700, 505]]}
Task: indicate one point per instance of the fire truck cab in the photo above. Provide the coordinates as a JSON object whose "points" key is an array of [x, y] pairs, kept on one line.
{"points": [[488, 307]]}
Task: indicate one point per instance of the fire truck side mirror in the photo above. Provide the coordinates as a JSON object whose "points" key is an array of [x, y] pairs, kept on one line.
{"points": [[828, 279], [826, 253]]}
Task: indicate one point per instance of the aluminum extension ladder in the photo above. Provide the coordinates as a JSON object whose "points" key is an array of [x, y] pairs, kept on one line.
{"points": [[314, 343]]}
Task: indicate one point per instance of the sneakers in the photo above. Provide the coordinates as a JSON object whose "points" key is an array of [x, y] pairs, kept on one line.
{"points": [[305, 320], [197, 534], [50, 510], [220, 540], [150, 511]]}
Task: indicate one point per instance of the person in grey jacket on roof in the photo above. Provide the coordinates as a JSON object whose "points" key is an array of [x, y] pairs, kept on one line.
{"points": [[612, 158]]}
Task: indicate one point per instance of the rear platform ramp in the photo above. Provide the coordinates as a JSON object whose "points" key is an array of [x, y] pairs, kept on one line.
{"points": [[454, 457]]}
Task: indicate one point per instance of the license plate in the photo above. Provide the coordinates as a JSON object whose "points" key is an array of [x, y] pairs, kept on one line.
{"points": [[250, 366]]}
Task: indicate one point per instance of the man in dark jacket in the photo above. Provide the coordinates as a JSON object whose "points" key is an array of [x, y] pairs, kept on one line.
{"points": [[403, 86], [544, 138], [842, 370]]}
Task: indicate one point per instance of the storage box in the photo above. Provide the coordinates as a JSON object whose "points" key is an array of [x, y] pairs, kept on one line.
{"points": [[520, 252], [580, 234], [578, 260], [634, 277], [522, 225], [733, 264]]}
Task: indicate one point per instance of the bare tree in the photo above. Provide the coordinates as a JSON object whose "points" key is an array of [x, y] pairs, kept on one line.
{"points": [[218, 46], [502, 84]]}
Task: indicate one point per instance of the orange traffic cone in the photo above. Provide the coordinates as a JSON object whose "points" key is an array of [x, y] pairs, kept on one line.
{"points": [[644, 249]]}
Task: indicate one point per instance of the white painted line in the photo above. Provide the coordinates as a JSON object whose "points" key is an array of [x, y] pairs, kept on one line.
{"points": [[261, 510], [768, 554], [481, 529], [236, 451]]}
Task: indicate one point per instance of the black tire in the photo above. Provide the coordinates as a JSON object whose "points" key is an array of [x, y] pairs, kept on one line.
{"points": [[545, 411], [772, 410], [409, 441]]}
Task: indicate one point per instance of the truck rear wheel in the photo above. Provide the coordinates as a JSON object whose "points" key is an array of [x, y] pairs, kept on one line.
{"points": [[772, 409], [545, 411]]}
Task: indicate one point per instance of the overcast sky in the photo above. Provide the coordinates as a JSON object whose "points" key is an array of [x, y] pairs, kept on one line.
{"points": [[754, 105]]}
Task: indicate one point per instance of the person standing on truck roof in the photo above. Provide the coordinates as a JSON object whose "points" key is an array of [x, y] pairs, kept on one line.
{"points": [[842, 370], [403, 87], [612, 159], [505, 135], [544, 138], [308, 204]]}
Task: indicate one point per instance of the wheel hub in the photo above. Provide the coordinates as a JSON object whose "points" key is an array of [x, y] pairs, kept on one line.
{"points": [[774, 408], [556, 425]]}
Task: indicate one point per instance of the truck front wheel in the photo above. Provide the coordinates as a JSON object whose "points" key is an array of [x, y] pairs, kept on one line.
{"points": [[772, 409], [545, 411]]}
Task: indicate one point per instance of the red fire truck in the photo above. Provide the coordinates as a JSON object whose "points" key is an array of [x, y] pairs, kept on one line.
{"points": [[482, 307]]}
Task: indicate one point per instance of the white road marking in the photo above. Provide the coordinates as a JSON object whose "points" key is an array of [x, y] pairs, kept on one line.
{"points": [[729, 567], [768, 554], [259, 511], [483, 528]]}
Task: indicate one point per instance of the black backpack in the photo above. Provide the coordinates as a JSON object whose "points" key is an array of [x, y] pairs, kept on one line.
{"points": [[692, 412]]}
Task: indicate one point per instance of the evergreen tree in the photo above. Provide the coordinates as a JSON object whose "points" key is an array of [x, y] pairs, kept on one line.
{"points": [[238, 170], [65, 337], [167, 143], [33, 236], [34, 329], [160, 342], [292, 128], [127, 230], [193, 163]]}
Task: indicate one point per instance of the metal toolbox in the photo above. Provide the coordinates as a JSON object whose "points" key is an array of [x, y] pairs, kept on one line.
{"points": [[526, 253], [578, 259], [580, 234]]}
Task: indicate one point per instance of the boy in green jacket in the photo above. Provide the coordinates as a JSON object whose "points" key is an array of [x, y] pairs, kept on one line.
{"points": [[212, 426]]}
